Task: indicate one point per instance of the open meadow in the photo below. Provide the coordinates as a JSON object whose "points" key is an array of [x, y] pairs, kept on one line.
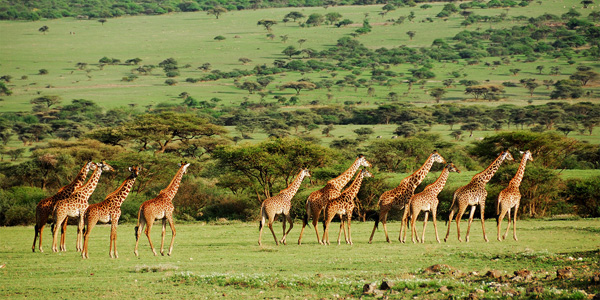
{"points": [[223, 260]]}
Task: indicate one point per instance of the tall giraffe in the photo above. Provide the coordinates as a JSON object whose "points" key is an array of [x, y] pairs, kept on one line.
{"points": [[400, 196], [109, 210], [318, 199], [75, 206], [474, 194], [280, 204], [161, 207], [511, 197], [427, 201], [343, 205], [44, 208]]}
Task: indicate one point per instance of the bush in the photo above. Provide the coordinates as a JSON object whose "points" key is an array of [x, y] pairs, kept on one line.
{"points": [[17, 205], [171, 82], [585, 195]]}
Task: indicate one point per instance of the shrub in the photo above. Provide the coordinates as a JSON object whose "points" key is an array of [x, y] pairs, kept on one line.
{"points": [[171, 82], [17, 205]]}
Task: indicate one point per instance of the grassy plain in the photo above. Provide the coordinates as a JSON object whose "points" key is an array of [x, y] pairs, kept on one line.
{"points": [[223, 260], [188, 37]]}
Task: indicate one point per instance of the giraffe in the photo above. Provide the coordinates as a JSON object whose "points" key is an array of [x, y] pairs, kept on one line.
{"points": [[511, 197], [343, 205], [427, 201], [75, 206], [161, 207], [400, 196], [280, 204], [318, 199], [108, 210], [473, 194], [44, 208]]}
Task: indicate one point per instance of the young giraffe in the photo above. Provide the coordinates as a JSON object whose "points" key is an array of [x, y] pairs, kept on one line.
{"points": [[511, 197], [343, 205], [108, 210], [474, 194], [400, 196], [318, 199], [159, 208], [44, 208], [75, 206], [427, 201], [280, 204]]}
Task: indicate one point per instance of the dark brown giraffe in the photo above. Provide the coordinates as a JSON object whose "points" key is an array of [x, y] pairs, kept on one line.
{"points": [[280, 204], [343, 206], [427, 201], [44, 208], [108, 210], [399, 197], [317, 200], [160, 208], [474, 194], [510, 197], [75, 206]]}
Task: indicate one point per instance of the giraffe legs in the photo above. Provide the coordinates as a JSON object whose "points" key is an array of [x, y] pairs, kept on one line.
{"points": [[162, 236], [63, 236], [41, 219], [499, 223], [471, 213], [173, 234], [304, 223], [327, 221], [80, 224], [270, 224], [482, 212], [515, 223], [288, 218], [138, 233], [113, 239], [90, 222], [58, 219], [315, 222], [413, 221], [403, 227], [342, 228], [147, 232], [453, 210], [349, 234], [425, 219], [434, 217], [383, 219]]}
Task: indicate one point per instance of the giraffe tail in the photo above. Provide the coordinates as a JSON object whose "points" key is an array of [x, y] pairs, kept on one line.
{"points": [[451, 207], [305, 220], [377, 222], [136, 232], [262, 217]]}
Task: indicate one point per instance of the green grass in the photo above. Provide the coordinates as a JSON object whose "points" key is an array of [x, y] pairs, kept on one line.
{"points": [[188, 37], [215, 260]]}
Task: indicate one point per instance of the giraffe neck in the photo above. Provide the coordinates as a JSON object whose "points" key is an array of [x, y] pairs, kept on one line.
{"points": [[516, 181], [76, 183], [341, 181], [353, 189], [291, 190], [171, 190], [488, 173], [90, 186], [438, 185], [118, 196], [417, 177]]}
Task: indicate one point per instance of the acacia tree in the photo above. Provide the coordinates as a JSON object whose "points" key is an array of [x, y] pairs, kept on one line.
{"points": [[437, 93], [295, 15], [267, 23], [250, 86], [216, 11], [272, 163], [291, 51], [43, 29], [411, 34], [298, 86], [158, 131]]}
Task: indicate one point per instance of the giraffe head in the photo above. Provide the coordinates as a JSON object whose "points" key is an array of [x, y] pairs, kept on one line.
{"points": [[105, 167], [135, 171], [506, 155], [305, 172], [366, 173], [527, 155], [363, 161], [184, 166], [452, 168], [437, 157]]}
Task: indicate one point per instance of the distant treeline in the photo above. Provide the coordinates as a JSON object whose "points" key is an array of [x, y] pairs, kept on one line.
{"points": [[50, 9]]}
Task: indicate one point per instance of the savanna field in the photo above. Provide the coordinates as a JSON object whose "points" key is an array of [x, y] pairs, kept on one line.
{"points": [[248, 93]]}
